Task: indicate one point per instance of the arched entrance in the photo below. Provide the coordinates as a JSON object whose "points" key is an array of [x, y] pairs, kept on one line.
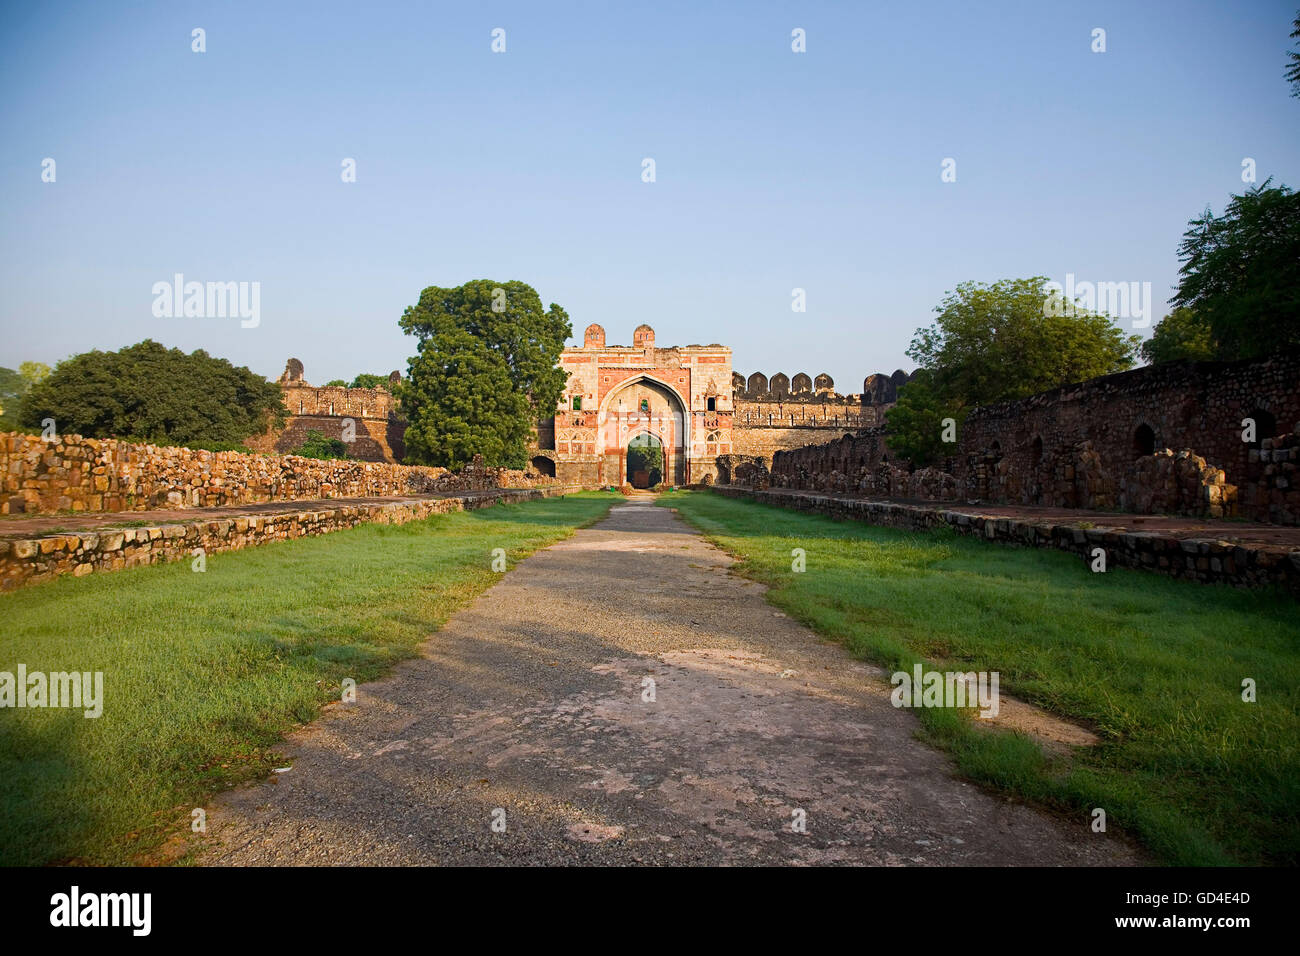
{"points": [[645, 461], [645, 406]]}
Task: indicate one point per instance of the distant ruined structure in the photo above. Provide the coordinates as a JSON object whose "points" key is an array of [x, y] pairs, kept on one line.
{"points": [[367, 415]]}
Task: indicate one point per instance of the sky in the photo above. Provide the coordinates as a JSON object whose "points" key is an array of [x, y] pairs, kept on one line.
{"points": [[774, 170]]}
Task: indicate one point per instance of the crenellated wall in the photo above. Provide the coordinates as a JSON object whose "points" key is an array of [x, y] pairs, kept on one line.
{"points": [[787, 412]]}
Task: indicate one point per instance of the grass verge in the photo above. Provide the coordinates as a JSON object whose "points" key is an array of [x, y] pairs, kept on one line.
{"points": [[1153, 665], [204, 673]]}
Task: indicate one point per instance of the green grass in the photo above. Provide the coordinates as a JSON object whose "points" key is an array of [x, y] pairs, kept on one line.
{"points": [[204, 673], [1153, 665]]}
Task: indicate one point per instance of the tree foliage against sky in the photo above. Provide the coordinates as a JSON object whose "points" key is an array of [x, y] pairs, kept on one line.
{"points": [[13, 386], [1179, 335], [992, 343], [148, 392], [364, 380], [369, 380], [486, 371], [1293, 71], [1241, 273]]}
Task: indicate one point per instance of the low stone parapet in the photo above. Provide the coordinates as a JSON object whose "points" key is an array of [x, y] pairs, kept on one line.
{"points": [[27, 560], [1205, 559]]}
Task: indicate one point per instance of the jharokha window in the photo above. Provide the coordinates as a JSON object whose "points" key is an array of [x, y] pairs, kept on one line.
{"points": [[577, 403], [713, 404]]}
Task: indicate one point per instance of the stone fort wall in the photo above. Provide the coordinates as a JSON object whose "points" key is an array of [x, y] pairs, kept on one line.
{"points": [[1166, 438], [375, 432]]}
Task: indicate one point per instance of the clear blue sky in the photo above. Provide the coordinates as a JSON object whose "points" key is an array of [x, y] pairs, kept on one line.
{"points": [[774, 169]]}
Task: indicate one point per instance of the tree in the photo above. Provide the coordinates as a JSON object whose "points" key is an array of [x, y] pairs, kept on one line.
{"points": [[317, 445], [1179, 335], [33, 373], [13, 386], [12, 389], [369, 380], [1293, 71], [915, 425], [485, 373], [993, 343], [147, 392], [336, 383], [1241, 272], [460, 401]]}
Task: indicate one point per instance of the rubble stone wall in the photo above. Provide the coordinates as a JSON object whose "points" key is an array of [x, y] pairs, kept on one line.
{"points": [[86, 474], [1168, 438]]}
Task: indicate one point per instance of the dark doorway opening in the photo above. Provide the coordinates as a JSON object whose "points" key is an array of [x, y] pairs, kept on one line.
{"points": [[645, 461], [1265, 426], [1144, 441]]}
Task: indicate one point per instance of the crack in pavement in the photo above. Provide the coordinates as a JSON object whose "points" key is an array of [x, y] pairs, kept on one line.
{"points": [[532, 701]]}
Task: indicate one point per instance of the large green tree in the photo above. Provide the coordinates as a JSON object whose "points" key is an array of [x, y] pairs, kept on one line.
{"points": [[485, 373], [460, 401], [148, 392], [1241, 273], [993, 343]]}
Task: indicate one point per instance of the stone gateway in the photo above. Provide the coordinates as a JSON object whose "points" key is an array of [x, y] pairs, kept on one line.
{"points": [[675, 399]]}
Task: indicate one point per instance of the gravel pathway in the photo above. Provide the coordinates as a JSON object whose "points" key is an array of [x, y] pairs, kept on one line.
{"points": [[529, 710]]}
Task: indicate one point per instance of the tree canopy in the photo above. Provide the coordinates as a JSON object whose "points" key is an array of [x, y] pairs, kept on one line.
{"points": [[1179, 335], [459, 402], [147, 392], [13, 386], [485, 373], [993, 343], [1241, 273]]}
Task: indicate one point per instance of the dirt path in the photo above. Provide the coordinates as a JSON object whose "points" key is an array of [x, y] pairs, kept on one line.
{"points": [[531, 701]]}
